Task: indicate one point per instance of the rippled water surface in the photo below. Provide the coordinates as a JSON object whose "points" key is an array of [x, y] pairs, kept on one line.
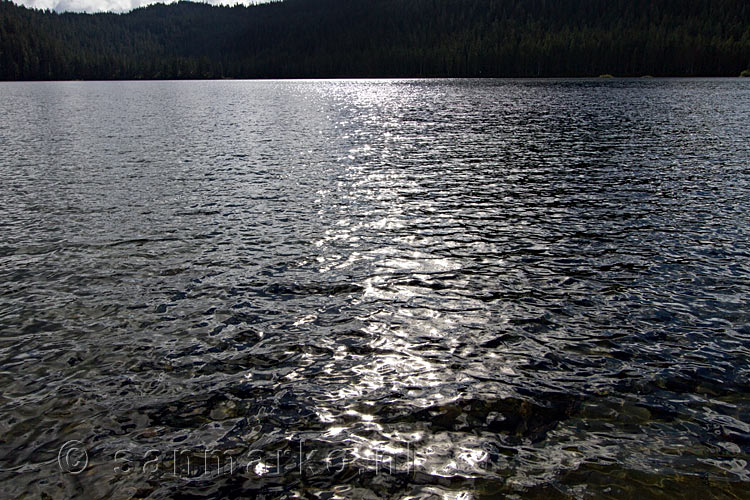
{"points": [[375, 289]]}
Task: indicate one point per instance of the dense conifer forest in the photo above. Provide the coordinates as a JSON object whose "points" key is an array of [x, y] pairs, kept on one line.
{"points": [[381, 38]]}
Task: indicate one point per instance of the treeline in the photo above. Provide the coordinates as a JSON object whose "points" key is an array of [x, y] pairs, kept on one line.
{"points": [[383, 38]]}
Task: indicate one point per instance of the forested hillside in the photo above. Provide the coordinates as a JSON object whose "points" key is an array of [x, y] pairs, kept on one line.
{"points": [[359, 38]]}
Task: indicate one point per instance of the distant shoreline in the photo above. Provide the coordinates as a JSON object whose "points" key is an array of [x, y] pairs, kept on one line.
{"points": [[304, 39]]}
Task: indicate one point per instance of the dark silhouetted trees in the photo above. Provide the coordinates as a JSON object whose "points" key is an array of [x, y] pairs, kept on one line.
{"points": [[386, 38]]}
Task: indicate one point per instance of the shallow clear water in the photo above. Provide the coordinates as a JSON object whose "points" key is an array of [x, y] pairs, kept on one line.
{"points": [[375, 289]]}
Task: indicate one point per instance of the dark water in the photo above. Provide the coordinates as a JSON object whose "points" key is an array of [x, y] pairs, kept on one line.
{"points": [[375, 289]]}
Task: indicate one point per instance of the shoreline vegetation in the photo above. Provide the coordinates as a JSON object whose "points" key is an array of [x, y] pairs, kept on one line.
{"points": [[381, 38]]}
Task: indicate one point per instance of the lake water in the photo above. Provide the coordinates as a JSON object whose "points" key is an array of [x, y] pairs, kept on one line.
{"points": [[375, 289]]}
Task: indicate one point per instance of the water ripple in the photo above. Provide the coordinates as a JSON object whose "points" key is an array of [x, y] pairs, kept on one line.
{"points": [[376, 289]]}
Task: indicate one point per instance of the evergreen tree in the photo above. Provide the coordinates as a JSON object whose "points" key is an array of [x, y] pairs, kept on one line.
{"points": [[381, 38]]}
